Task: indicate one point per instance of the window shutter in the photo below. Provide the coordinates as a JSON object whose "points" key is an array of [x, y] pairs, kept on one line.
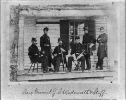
{"points": [[91, 30], [64, 31]]}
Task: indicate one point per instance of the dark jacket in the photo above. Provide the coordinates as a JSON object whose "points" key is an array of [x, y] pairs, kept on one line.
{"points": [[77, 48], [45, 44], [33, 53], [102, 48], [32, 50], [87, 40], [58, 51]]}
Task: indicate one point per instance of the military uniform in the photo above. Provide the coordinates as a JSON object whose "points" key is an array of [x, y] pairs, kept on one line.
{"points": [[77, 49], [36, 56], [87, 40], [102, 49], [46, 47], [33, 53], [60, 56]]}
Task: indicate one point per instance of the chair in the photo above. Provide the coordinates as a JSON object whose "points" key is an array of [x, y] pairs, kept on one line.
{"points": [[34, 62]]}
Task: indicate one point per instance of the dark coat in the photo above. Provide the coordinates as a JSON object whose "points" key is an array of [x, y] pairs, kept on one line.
{"points": [[77, 48], [87, 40], [33, 53], [59, 55], [102, 48], [58, 51], [45, 44]]}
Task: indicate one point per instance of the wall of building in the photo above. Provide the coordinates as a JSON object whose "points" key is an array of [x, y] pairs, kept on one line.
{"points": [[31, 29]]}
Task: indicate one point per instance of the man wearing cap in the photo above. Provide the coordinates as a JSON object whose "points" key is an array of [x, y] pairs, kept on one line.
{"points": [[77, 49], [59, 53], [45, 45], [35, 55], [33, 51], [102, 48], [88, 42]]}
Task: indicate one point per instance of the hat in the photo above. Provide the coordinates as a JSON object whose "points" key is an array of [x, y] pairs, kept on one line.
{"points": [[101, 28], [59, 39], [85, 28], [46, 28], [77, 37], [33, 39]]}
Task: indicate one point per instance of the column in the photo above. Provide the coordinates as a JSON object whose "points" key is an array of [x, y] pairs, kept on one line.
{"points": [[21, 44], [110, 43]]}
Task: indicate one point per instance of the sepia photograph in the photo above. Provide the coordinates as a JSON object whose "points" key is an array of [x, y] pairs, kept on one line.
{"points": [[64, 46]]}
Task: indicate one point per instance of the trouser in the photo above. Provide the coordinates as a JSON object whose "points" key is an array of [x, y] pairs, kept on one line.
{"points": [[49, 60], [88, 61], [100, 63], [69, 66], [44, 63], [48, 54], [82, 60], [56, 62]]}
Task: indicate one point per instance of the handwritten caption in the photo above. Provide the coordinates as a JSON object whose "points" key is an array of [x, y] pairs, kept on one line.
{"points": [[61, 91]]}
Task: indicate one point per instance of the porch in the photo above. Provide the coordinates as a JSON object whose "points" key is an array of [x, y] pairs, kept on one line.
{"points": [[90, 75]]}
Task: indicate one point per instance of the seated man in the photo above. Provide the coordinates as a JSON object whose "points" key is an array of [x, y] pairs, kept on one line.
{"points": [[35, 55], [33, 51], [78, 50], [59, 53]]}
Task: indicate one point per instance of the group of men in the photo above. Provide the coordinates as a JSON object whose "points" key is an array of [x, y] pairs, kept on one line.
{"points": [[79, 52]]}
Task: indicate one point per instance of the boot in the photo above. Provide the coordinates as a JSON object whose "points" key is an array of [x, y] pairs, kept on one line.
{"points": [[101, 67], [96, 66]]}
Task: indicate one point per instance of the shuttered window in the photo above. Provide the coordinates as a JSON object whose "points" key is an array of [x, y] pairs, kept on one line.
{"points": [[64, 31]]}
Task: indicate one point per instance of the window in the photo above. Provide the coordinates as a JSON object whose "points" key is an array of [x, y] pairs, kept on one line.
{"points": [[75, 29]]}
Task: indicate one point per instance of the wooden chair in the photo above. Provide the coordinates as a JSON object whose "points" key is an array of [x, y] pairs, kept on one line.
{"points": [[33, 63]]}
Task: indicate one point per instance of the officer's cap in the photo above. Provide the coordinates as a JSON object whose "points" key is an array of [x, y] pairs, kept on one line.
{"points": [[86, 28], [101, 28], [33, 39], [77, 37], [59, 39], [46, 29]]}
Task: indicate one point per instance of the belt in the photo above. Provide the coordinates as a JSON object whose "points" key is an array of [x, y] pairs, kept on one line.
{"points": [[77, 53], [46, 44]]}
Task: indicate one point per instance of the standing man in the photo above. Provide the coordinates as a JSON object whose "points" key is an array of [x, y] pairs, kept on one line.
{"points": [[77, 49], [59, 53], [45, 45], [102, 48], [88, 42]]}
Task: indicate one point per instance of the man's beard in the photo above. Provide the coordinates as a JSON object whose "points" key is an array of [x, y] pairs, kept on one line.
{"points": [[60, 43]]}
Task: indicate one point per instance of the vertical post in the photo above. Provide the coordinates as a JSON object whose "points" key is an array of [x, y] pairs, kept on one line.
{"points": [[110, 44], [21, 44]]}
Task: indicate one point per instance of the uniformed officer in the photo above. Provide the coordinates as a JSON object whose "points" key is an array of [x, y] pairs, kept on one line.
{"points": [[36, 56], [33, 51], [102, 48], [59, 53], [88, 42], [45, 45], [77, 49]]}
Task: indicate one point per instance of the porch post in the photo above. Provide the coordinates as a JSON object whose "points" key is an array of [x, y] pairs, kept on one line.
{"points": [[21, 44], [110, 44]]}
